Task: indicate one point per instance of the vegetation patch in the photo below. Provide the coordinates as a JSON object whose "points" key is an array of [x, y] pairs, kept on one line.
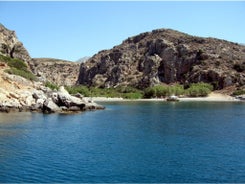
{"points": [[238, 92], [51, 85], [199, 89], [121, 91], [26, 74], [17, 67], [195, 90], [128, 92]]}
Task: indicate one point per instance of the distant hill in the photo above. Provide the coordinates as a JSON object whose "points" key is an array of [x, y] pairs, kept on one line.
{"points": [[83, 59], [166, 56], [57, 71]]}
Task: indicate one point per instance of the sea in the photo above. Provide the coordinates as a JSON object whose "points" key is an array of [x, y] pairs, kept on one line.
{"points": [[128, 142]]}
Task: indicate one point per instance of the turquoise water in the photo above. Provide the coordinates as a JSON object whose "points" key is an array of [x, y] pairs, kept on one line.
{"points": [[128, 142]]}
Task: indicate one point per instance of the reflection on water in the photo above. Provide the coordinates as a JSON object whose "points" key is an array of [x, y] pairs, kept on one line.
{"points": [[8, 120], [15, 117]]}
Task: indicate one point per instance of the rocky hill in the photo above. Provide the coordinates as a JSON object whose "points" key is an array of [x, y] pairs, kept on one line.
{"points": [[21, 91], [11, 46], [83, 59], [166, 56], [57, 71]]}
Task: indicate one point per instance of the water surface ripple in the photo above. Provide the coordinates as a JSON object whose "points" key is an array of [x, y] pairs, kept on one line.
{"points": [[128, 142]]}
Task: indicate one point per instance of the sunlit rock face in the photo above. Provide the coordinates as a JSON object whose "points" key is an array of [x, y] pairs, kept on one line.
{"points": [[166, 56]]}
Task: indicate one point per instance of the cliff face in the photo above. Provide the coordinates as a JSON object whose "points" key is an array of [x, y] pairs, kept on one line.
{"points": [[20, 94], [56, 71], [11, 46], [166, 56]]}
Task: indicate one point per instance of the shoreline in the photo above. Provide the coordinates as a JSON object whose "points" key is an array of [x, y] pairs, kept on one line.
{"points": [[212, 97]]}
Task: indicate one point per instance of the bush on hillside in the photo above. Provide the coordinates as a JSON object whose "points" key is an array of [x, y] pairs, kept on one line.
{"points": [[51, 85], [199, 89], [195, 90], [17, 67], [26, 74], [238, 92], [78, 89], [157, 91]]}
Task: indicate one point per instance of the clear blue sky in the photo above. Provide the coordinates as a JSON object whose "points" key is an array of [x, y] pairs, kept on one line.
{"points": [[71, 30]]}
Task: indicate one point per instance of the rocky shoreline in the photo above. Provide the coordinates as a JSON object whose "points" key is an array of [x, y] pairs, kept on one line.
{"points": [[47, 101]]}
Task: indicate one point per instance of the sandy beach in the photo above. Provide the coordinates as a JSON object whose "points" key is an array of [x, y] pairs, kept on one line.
{"points": [[212, 97]]}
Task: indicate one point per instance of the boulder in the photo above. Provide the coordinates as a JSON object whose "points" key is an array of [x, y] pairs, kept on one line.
{"points": [[50, 107], [65, 99]]}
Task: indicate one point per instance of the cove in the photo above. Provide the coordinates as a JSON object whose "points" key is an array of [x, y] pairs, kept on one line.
{"points": [[141, 142]]}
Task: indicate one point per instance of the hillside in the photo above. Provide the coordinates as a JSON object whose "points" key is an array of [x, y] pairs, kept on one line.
{"points": [[21, 90], [166, 56], [10, 45], [56, 71]]}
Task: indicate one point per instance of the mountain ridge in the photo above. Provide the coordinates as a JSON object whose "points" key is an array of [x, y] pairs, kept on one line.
{"points": [[166, 56]]}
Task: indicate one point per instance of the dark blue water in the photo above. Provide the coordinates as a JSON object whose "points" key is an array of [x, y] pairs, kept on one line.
{"points": [[127, 142]]}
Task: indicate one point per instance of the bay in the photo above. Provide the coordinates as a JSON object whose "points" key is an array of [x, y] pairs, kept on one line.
{"points": [[141, 142]]}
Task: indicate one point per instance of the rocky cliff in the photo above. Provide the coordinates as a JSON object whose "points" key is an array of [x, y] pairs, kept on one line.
{"points": [[57, 71], [11, 46], [166, 56], [20, 94]]}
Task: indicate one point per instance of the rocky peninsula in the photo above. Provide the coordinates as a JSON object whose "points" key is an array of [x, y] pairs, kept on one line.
{"points": [[22, 81], [20, 94]]}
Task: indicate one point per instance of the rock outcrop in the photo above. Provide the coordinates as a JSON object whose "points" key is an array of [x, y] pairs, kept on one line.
{"points": [[11, 46], [166, 56], [56, 71], [20, 94]]}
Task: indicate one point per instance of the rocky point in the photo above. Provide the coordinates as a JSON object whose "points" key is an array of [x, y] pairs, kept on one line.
{"points": [[20, 94]]}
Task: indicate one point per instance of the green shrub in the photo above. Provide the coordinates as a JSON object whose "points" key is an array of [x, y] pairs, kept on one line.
{"points": [[199, 89], [106, 92], [14, 62], [126, 89], [51, 85], [195, 90], [163, 91], [17, 67], [149, 92], [26, 74], [176, 90], [5, 59], [156, 91], [136, 95], [238, 92], [18, 64], [78, 89]]}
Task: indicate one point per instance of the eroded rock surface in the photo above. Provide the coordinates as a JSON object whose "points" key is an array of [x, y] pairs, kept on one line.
{"points": [[11, 46], [166, 56], [56, 71]]}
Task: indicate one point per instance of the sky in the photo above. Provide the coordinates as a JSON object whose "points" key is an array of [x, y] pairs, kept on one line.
{"points": [[71, 30]]}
